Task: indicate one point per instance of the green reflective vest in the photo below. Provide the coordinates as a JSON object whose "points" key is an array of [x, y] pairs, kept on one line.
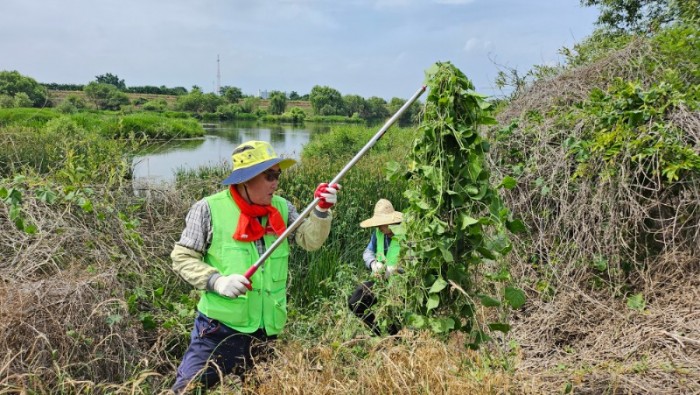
{"points": [[392, 253], [265, 306]]}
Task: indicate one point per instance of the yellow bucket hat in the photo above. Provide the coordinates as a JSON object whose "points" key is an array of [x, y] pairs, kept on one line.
{"points": [[384, 214], [252, 158]]}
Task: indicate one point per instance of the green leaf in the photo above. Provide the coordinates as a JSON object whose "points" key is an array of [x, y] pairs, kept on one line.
{"points": [[636, 302], [499, 244], [515, 297], [30, 229], [468, 221], [392, 166], [488, 301], [479, 337], [416, 321], [433, 301], [516, 226], [147, 321], [509, 182], [442, 325], [488, 254], [446, 255], [499, 326], [114, 319], [430, 73], [438, 286], [399, 231], [86, 205], [15, 212], [502, 275], [46, 195], [14, 196]]}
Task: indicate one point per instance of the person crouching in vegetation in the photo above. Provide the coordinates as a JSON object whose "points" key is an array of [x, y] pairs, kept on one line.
{"points": [[381, 256], [224, 235]]}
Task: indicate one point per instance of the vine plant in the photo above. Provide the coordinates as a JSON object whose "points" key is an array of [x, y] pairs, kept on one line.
{"points": [[456, 223]]}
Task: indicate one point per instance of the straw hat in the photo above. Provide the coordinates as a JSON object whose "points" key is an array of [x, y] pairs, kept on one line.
{"points": [[384, 214]]}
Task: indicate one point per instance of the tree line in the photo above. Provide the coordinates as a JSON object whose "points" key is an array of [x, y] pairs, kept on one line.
{"points": [[109, 92]]}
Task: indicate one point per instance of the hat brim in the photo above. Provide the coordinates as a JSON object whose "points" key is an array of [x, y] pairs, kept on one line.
{"points": [[378, 220], [240, 176]]}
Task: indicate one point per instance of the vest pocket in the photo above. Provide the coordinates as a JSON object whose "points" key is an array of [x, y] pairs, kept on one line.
{"points": [[232, 312], [278, 263], [235, 260], [279, 301]]}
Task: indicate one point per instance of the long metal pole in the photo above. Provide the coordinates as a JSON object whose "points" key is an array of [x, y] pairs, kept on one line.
{"points": [[249, 273]]}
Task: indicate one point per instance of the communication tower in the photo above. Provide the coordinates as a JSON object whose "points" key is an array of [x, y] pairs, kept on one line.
{"points": [[218, 76]]}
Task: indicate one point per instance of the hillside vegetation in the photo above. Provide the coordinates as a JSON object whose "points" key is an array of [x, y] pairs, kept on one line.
{"points": [[607, 157]]}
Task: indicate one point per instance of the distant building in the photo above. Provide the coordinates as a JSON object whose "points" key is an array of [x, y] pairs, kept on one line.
{"points": [[263, 94]]}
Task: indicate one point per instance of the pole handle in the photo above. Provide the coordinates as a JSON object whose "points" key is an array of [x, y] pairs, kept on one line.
{"points": [[248, 274]]}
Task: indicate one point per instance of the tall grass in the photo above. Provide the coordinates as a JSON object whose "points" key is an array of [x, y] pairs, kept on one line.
{"points": [[63, 149], [110, 124], [29, 117]]}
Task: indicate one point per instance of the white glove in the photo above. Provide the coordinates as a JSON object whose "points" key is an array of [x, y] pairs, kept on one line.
{"points": [[377, 268], [391, 270], [233, 285]]}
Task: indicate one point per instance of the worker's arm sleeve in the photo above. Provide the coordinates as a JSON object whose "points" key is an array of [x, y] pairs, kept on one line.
{"points": [[189, 250], [189, 265], [314, 231], [369, 255]]}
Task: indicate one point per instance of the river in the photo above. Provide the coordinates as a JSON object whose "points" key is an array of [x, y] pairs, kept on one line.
{"points": [[158, 162]]}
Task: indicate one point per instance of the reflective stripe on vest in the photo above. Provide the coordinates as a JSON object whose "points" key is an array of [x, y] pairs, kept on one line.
{"points": [[392, 254], [266, 304]]}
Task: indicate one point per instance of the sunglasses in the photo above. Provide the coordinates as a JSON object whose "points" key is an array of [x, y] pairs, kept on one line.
{"points": [[271, 175]]}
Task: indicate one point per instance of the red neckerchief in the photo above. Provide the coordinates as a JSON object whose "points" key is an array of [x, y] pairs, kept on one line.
{"points": [[249, 228]]}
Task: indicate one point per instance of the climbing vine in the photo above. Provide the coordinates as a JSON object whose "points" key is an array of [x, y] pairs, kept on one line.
{"points": [[456, 223]]}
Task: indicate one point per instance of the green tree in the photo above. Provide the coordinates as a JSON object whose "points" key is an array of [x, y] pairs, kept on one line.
{"points": [[642, 16], [231, 94], [354, 104], [412, 114], [105, 96], [278, 102], [376, 109], [297, 114], [7, 101], [293, 95], [326, 101], [198, 102], [12, 83], [71, 104], [250, 104], [22, 100], [111, 79]]}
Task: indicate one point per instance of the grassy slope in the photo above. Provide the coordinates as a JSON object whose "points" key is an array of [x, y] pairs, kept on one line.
{"points": [[610, 258]]}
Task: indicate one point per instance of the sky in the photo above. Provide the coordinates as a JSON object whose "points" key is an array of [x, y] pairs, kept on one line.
{"points": [[363, 47]]}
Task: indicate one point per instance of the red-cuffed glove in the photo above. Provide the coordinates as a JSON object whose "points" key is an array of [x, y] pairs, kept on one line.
{"points": [[328, 195]]}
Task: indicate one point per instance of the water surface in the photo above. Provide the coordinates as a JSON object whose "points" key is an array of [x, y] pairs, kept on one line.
{"points": [[158, 163]]}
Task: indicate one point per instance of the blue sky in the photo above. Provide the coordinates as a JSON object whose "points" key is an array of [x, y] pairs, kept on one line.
{"points": [[366, 47]]}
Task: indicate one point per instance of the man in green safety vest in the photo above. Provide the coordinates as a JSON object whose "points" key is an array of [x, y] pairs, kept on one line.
{"points": [[224, 235], [381, 256]]}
